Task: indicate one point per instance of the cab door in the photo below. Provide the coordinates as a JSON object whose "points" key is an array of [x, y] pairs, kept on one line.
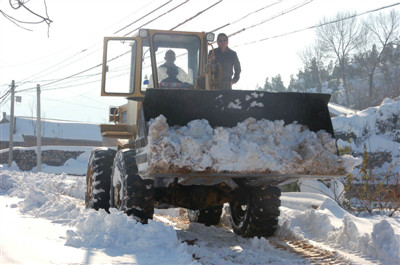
{"points": [[121, 67]]}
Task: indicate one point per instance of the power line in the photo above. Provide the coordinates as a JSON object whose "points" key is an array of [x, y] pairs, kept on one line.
{"points": [[293, 8], [71, 103], [60, 65], [137, 20], [76, 75], [78, 54], [251, 13], [172, 9], [199, 13], [320, 25], [165, 13]]}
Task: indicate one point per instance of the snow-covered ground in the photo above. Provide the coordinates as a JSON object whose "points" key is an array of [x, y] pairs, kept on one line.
{"points": [[43, 219]]}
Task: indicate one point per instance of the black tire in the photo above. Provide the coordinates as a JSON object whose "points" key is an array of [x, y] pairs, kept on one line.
{"points": [[98, 176], [258, 214], [209, 216], [130, 193]]}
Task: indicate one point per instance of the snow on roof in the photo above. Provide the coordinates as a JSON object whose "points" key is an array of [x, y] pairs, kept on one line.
{"points": [[51, 128]]}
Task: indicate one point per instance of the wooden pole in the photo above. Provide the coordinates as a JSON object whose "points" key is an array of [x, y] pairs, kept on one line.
{"points": [[12, 125], [38, 133]]}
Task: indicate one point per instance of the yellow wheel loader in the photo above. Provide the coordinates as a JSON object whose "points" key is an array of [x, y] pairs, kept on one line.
{"points": [[123, 177]]}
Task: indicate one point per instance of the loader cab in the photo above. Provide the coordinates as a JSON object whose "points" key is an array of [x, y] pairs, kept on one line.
{"points": [[131, 65]]}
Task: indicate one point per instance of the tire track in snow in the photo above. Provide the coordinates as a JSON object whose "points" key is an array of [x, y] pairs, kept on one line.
{"points": [[217, 238]]}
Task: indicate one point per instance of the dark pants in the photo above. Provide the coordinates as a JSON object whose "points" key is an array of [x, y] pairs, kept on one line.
{"points": [[226, 86]]}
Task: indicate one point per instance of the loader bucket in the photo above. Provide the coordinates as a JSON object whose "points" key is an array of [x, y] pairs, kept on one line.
{"points": [[226, 108]]}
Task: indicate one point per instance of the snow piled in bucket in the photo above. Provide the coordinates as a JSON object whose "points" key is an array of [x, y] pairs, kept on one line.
{"points": [[252, 146]]}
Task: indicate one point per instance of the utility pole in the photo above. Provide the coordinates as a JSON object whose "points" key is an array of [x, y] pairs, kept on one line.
{"points": [[38, 133], [11, 136]]}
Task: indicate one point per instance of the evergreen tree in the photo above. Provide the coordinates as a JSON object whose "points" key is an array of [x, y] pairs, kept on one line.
{"points": [[268, 85], [277, 84]]}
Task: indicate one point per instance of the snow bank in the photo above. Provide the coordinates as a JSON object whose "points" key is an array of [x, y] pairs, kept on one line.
{"points": [[59, 198], [374, 120], [379, 129], [252, 147], [117, 231], [323, 221]]}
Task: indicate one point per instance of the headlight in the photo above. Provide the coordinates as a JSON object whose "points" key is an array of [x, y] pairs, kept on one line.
{"points": [[210, 36], [143, 33]]}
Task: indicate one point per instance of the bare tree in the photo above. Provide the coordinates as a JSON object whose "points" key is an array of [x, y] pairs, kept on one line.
{"points": [[17, 4], [312, 58], [384, 28], [340, 37]]}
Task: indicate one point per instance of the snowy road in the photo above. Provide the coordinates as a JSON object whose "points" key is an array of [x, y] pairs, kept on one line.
{"points": [[44, 221]]}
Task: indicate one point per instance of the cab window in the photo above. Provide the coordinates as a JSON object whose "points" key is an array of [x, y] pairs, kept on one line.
{"points": [[177, 59]]}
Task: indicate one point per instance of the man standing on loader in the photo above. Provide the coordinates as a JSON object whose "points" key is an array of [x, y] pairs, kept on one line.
{"points": [[229, 61]]}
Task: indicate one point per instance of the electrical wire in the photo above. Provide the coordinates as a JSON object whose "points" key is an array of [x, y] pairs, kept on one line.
{"points": [[320, 25], [165, 13], [137, 20], [251, 13], [61, 65], [293, 8], [77, 75], [198, 14]]}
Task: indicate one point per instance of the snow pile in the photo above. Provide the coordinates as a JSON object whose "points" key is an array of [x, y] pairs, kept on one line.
{"points": [[320, 218], [59, 198], [252, 147], [117, 231], [378, 128], [46, 195], [380, 120]]}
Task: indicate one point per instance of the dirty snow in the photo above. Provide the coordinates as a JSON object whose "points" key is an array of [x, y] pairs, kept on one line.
{"points": [[250, 147]]}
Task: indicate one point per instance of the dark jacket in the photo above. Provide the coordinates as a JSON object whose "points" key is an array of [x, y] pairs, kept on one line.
{"points": [[230, 62]]}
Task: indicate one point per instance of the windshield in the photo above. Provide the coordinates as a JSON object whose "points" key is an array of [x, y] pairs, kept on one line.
{"points": [[177, 59]]}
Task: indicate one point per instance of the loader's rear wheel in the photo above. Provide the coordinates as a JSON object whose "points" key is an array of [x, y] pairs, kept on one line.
{"points": [[130, 193], [98, 178], [209, 216], [258, 214]]}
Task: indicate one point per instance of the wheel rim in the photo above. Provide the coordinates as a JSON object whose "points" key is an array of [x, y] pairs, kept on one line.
{"points": [[238, 212], [193, 215]]}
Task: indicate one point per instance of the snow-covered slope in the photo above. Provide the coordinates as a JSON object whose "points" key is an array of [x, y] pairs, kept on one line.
{"points": [[378, 128]]}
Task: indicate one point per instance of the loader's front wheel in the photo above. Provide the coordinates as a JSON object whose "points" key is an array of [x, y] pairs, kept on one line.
{"points": [[98, 178], [258, 214], [209, 216], [129, 192]]}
